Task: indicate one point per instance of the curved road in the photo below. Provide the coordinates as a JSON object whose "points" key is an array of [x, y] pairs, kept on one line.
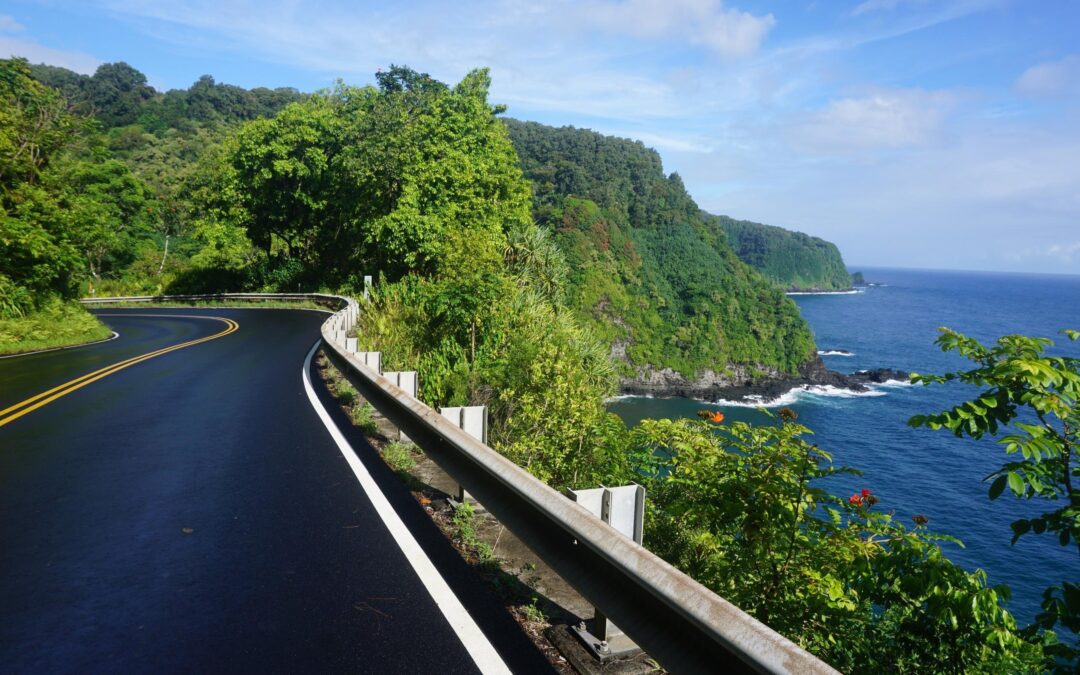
{"points": [[190, 513]]}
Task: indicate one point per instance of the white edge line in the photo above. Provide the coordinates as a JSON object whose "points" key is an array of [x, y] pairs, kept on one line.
{"points": [[473, 639], [57, 349]]}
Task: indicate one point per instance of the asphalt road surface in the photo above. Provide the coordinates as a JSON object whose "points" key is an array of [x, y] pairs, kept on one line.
{"points": [[189, 512]]}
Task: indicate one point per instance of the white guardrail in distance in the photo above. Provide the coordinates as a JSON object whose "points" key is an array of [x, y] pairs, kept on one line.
{"points": [[683, 625]]}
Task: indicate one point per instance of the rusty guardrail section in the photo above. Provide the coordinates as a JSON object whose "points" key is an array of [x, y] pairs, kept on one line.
{"points": [[683, 625]]}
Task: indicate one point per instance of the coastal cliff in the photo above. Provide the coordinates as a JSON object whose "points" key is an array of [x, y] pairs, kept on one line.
{"points": [[795, 261]]}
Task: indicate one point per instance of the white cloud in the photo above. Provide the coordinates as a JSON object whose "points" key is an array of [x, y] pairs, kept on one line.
{"points": [[1064, 252], [36, 53], [1051, 78], [706, 23], [994, 189], [893, 118], [673, 142], [8, 24]]}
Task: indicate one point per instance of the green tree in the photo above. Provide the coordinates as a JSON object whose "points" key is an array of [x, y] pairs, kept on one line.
{"points": [[104, 205], [1030, 398], [36, 254], [117, 91], [284, 166], [430, 164]]}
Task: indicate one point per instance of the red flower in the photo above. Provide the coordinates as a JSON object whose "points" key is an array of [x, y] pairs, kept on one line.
{"points": [[865, 492], [855, 499]]}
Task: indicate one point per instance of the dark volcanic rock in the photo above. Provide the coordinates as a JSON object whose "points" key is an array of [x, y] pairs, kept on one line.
{"points": [[880, 376], [740, 383]]}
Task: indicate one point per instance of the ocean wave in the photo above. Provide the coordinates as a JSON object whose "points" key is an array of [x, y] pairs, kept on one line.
{"points": [[835, 352], [888, 384], [795, 395], [756, 401], [624, 397]]}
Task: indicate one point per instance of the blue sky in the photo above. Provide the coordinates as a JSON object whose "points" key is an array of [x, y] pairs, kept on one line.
{"points": [[914, 133]]}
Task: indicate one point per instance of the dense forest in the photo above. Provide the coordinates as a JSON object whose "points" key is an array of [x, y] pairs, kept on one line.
{"points": [[649, 272], [100, 177], [794, 260], [507, 271]]}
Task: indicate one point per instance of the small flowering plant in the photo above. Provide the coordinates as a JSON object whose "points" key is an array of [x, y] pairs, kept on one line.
{"points": [[863, 498]]}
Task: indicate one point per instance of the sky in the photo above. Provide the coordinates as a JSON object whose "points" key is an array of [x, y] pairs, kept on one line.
{"points": [[911, 133]]}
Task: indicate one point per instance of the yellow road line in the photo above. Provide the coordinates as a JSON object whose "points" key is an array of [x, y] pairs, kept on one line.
{"points": [[44, 398]]}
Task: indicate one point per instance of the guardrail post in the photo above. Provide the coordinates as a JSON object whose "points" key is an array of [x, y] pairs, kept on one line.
{"points": [[405, 380], [351, 344], [367, 286], [623, 508], [372, 360], [473, 420]]}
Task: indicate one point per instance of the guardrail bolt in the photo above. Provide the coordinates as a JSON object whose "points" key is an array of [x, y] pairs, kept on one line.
{"points": [[581, 626], [604, 647]]}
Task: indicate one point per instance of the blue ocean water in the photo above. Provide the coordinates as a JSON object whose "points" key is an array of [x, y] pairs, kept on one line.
{"points": [[919, 471]]}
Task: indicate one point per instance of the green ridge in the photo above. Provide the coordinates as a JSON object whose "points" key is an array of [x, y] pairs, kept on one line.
{"points": [[794, 260], [650, 272]]}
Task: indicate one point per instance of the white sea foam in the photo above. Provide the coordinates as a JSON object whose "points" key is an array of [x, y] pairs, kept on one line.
{"points": [[890, 384], [835, 352], [851, 292], [828, 390], [624, 397], [795, 395]]}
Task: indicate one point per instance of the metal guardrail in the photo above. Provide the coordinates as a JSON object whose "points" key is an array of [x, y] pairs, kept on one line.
{"points": [[333, 301], [683, 625]]}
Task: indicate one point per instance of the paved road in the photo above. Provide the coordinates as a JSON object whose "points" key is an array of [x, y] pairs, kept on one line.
{"points": [[190, 513]]}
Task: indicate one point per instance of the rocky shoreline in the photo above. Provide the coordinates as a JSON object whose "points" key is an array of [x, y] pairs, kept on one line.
{"points": [[743, 384]]}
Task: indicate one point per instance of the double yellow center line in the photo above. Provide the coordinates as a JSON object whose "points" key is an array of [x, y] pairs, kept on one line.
{"points": [[31, 404]]}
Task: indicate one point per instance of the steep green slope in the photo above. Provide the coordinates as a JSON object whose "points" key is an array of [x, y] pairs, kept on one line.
{"points": [[794, 260], [648, 271]]}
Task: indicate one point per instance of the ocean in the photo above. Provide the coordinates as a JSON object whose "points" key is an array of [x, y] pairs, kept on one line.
{"points": [[919, 471]]}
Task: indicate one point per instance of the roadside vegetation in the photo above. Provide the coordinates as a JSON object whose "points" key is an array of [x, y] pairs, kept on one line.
{"points": [[512, 287], [54, 324]]}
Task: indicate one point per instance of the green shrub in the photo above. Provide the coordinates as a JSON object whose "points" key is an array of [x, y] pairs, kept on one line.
{"points": [[398, 457], [363, 414]]}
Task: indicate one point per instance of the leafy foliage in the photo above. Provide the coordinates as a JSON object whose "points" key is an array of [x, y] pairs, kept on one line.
{"points": [[119, 95], [649, 273], [36, 251], [739, 508], [1031, 398]]}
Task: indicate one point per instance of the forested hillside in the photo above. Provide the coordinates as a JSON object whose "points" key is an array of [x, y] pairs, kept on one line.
{"points": [[119, 95], [794, 260], [650, 272]]}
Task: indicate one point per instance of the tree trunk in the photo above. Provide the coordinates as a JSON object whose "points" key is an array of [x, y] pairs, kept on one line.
{"points": [[163, 256]]}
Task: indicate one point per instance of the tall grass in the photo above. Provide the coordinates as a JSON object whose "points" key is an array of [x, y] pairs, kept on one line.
{"points": [[55, 324]]}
